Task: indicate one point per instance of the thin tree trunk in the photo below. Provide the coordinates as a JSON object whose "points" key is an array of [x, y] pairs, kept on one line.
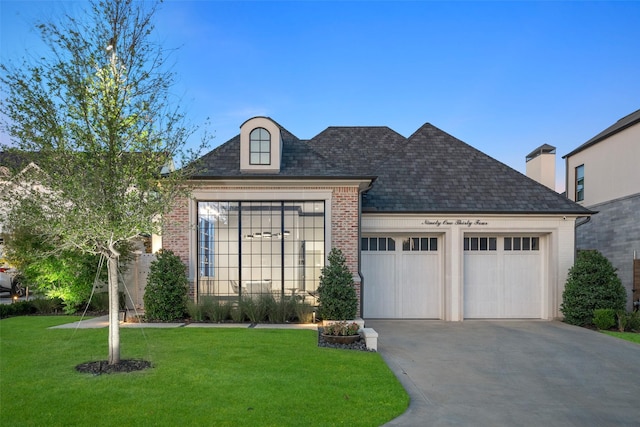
{"points": [[114, 310]]}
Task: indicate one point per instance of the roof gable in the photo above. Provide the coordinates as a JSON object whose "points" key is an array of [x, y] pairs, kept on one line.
{"points": [[298, 160], [437, 172], [622, 124]]}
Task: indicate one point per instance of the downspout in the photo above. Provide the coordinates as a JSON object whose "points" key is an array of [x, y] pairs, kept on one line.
{"points": [[575, 235], [360, 195], [566, 177]]}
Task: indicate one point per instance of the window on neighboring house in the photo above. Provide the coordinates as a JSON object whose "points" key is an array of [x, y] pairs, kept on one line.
{"points": [[580, 183], [260, 147]]}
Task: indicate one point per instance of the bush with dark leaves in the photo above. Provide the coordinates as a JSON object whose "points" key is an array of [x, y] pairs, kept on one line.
{"points": [[592, 284]]}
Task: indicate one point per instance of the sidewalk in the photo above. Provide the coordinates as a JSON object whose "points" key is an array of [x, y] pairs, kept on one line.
{"points": [[103, 322]]}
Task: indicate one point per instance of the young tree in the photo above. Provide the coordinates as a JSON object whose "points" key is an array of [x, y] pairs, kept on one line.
{"points": [[97, 114]]}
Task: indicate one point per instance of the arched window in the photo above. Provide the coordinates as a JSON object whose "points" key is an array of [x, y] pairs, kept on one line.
{"points": [[260, 147]]}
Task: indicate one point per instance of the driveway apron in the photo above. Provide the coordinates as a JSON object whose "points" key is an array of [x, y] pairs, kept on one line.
{"points": [[511, 373]]}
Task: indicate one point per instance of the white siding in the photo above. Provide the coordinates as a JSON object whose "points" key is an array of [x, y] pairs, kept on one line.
{"points": [[556, 256], [610, 168]]}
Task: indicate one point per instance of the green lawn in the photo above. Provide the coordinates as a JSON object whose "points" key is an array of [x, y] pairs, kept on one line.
{"points": [[201, 377], [629, 336]]}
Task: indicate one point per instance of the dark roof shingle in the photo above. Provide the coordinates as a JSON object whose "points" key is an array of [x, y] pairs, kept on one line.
{"points": [[429, 172], [437, 173], [299, 160]]}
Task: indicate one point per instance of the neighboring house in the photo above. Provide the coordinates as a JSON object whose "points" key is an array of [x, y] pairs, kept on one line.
{"points": [[430, 227], [22, 168], [603, 175], [12, 166]]}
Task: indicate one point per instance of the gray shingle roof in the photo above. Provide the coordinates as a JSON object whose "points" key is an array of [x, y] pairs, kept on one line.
{"points": [[436, 173], [298, 160], [429, 172], [16, 160]]}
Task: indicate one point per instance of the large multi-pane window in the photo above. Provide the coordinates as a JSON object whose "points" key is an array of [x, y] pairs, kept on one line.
{"points": [[260, 247]]}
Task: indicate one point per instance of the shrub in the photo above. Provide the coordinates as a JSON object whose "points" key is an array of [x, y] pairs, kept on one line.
{"points": [[604, 318], [215, 310], [336, 293], [65, 274], [341, 329], [166, 293], [5, 310], [592, 284], [47, 305], [628, 321], [195, 311], [266, 308], [236, 313], [20, 308], [255, 310], [623, 320], [99, 301], [300, 311], [633, 324], [277, 311]]}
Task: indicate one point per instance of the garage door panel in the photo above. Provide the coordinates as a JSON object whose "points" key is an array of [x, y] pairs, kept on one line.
{"points": [[522, 290], [481, 294], [403, 278], [380, 295], [421, 293], [503, 282]]}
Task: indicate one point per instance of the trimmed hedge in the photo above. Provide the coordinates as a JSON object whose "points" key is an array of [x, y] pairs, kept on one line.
{"points": [[592, 284], [166, 293]]}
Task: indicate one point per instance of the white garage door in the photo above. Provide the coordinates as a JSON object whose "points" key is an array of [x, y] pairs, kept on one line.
{"points": [[402, 277], [503, 277]]}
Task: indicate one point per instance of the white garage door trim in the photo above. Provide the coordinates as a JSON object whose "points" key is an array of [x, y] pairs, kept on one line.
{"points": [[406, 282], [503, 277]]}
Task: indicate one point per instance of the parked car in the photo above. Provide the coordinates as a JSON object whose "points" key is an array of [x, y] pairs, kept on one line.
{"points": [[10, 282]]}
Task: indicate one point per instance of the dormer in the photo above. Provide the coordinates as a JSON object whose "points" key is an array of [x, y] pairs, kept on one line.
{"points": [[260, 146]]}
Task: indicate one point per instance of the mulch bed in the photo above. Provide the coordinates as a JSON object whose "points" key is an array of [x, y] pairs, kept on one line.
{"points": [[103, 367]]}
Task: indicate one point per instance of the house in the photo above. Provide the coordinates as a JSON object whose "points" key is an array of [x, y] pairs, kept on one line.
{"points": [[431, 228], [603, 175]]}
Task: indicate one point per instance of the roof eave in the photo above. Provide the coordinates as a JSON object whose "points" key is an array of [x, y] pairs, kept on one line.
{"points": [[607, 133], [581, 213]]}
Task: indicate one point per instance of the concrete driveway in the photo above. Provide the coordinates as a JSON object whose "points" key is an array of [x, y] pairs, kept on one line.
{"points": [[511, 373]]}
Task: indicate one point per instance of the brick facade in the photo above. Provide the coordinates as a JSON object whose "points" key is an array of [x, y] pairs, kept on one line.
{"points": [[343, 223], [344, 230], [175, 229]]}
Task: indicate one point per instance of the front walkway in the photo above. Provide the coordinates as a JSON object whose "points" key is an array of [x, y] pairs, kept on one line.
{"points": [[103, 322]]}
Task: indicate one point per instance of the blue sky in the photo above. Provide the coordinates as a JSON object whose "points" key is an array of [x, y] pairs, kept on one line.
{"points": [[505, 77]]}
